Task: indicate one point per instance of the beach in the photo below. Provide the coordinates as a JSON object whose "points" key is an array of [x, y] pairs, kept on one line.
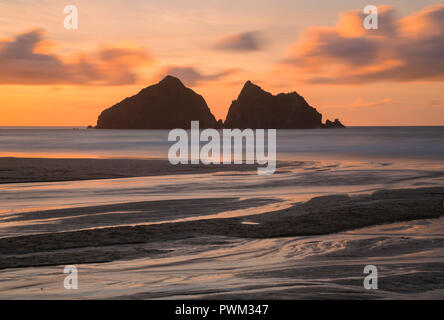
{"points": [[306, 232], [222, 150], [17, 170], [161, 221], [137, 227]]}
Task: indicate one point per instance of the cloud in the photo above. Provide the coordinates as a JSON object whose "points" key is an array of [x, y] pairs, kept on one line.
{"points": [[190, 76], [27, 59], [400, 50], [437, 102], [247, 41], [360, 103]]}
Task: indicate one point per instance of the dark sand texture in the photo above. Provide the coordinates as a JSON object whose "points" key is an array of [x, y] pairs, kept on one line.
{"points": [[321, 215], [13, 170]]}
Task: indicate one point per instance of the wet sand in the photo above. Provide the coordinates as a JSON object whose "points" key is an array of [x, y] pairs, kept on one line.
{"points": [[409, 257], [15, 170], [199, 232], [321, 215]]}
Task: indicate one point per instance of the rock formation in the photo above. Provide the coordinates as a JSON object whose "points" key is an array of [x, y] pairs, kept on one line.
{"points": [[166, 105], [331, 125], [169, 104], [256, 108]]}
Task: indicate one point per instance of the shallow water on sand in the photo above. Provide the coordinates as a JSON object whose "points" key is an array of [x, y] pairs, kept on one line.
{"points": [[408, 255], [294, 182]]}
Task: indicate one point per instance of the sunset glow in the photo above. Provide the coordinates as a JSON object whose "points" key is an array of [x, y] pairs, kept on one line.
{"points": [[51, 76]]}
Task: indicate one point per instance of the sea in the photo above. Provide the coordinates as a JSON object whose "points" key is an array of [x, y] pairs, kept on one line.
{"points": [[358, 143]]}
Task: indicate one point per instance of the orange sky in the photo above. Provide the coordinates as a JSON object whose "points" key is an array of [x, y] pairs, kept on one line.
{"points": [[390, 76]]}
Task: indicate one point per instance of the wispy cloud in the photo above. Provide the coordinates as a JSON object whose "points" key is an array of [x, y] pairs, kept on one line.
{"points": [[26, 59], [241, 42], [401, 50], [190, 76], [360, 103], [437, 102]]}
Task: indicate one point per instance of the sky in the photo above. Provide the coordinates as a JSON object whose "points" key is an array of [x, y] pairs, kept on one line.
{"points": [[52, 76]]}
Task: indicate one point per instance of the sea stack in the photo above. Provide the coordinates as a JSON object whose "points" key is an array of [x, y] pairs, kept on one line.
{"points": [[333, 124], [165, 105], [259, 109]]}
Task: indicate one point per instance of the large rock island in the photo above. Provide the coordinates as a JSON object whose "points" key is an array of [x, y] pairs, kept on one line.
{"points": [[256, 108], [166, 105]]}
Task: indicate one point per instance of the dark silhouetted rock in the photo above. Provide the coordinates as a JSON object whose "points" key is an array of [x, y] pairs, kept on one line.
{"points": [[166, 105], [333, 125], [256, 108]]}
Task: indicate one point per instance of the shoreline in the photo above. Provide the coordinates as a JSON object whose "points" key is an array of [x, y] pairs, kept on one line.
{"points": [[29, 170], [318, 216]]}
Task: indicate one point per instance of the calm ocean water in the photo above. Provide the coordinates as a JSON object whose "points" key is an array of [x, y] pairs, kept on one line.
{"points": [[359, 143]]}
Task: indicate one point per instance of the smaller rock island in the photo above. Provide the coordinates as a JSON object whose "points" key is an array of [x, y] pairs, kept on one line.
{"points": [[257, 108]]}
